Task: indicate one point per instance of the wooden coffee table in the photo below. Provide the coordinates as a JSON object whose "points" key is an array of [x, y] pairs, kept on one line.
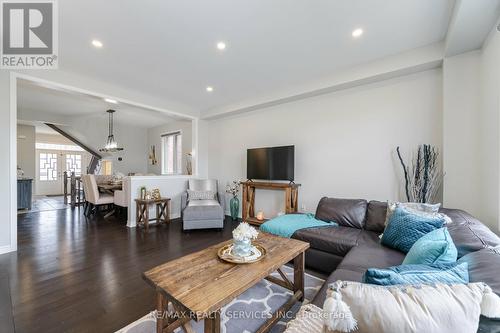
{"points": [[198, 285]]}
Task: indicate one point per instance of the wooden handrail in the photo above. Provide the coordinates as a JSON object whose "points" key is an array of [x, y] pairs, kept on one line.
{"points": [[95, 156], [74, 140], [92, 165]]}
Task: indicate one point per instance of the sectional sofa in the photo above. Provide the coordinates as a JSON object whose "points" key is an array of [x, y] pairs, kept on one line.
{"points": [[347, 251]]}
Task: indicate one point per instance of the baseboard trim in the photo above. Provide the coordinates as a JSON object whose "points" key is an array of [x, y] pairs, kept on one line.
{"points": [[6, 249]]}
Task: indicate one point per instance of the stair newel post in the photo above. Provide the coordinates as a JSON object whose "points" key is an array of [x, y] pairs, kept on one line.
{"points": [[73, 189], [65, 187]]}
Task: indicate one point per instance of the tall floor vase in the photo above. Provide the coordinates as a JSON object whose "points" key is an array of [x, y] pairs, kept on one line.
{"points": [[234, 206]]}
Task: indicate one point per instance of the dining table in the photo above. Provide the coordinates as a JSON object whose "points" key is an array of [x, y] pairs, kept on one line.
{"points": [[109, 188]]}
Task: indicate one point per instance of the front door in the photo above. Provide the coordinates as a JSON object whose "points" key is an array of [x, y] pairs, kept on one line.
{"points": [[50, 169], [73, 163], [49, 177]]}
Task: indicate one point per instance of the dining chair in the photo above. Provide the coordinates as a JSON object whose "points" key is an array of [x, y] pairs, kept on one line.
{"points": [[121, 196], [86, 204], [93, 197]]}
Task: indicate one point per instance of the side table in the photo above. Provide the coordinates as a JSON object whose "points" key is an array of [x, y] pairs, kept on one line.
{"points": [[142, 211]]}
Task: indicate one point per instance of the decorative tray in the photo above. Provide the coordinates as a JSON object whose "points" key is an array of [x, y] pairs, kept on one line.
{"points": [[225, 253]]}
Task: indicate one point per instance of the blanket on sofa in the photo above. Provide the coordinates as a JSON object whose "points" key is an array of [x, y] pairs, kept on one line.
{"points": [[286, 225]]}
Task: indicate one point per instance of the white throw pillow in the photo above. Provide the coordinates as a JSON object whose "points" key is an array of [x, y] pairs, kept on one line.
{"points": [[309, 319], [201, 195], [424, 209], [364, 308]]}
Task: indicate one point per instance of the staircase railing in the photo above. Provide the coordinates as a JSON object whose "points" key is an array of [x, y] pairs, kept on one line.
{"points": [[95, 155], [77, 197]]}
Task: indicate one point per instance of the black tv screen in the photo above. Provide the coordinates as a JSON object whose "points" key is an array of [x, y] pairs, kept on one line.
{"points": [[275, 163]]}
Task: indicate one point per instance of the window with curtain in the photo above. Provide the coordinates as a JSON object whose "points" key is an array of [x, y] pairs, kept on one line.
{"points": [[171, 153], [106, 167]]}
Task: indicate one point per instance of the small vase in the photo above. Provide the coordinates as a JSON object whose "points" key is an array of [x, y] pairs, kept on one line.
{"points": [[234, 206], [242, 248]]}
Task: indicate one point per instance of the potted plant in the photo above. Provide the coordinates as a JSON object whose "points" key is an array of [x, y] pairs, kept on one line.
{"points": [[234, 203], [242, 239]]}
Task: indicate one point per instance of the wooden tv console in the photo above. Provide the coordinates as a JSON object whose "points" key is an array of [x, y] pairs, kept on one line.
{"points": [[248, 197]]}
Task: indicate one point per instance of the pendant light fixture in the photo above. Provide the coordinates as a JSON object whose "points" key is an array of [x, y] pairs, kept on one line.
{"points": [[111, 145]]}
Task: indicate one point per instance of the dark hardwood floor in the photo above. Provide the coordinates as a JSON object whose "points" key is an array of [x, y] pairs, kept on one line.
{"points": [[73, 274]]}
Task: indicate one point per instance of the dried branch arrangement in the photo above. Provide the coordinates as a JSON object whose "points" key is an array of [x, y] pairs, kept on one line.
{"points": [[234, 188], [423, 175]]}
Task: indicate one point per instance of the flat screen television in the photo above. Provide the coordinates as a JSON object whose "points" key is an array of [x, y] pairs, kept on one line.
{"points": [[274, 163]]}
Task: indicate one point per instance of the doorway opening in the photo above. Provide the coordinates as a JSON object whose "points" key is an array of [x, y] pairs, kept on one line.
{"points": [[46, 161], [40, 104]]}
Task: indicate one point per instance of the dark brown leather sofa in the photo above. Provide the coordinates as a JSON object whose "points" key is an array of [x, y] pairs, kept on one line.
{"points": [[347, 251]]}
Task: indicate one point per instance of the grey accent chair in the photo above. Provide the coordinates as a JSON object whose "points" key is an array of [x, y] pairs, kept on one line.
{"points": [[202, 214]]}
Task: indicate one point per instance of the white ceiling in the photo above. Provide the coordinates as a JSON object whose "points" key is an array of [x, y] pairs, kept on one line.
{"points": [[168, 48], [471, 24], [37, 98]]}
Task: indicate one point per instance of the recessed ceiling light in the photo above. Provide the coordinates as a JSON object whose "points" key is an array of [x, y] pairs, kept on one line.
{"points": [[112, 101], [357, 33], [221, 46], [97, 43], [210, 89]]}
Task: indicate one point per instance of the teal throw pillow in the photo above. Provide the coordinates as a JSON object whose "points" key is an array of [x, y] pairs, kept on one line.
{"points": [[406, 227], [451, 273], [286, 225], [433, 248]]}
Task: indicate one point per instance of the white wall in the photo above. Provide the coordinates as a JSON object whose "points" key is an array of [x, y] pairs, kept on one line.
{"points": [[201, 151], [461, 132], [26, 137], [154, 138], [93, 131], [489, 131], [8, 142], [52, 138], [344, 141], [170, 186], [471, 131]]}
